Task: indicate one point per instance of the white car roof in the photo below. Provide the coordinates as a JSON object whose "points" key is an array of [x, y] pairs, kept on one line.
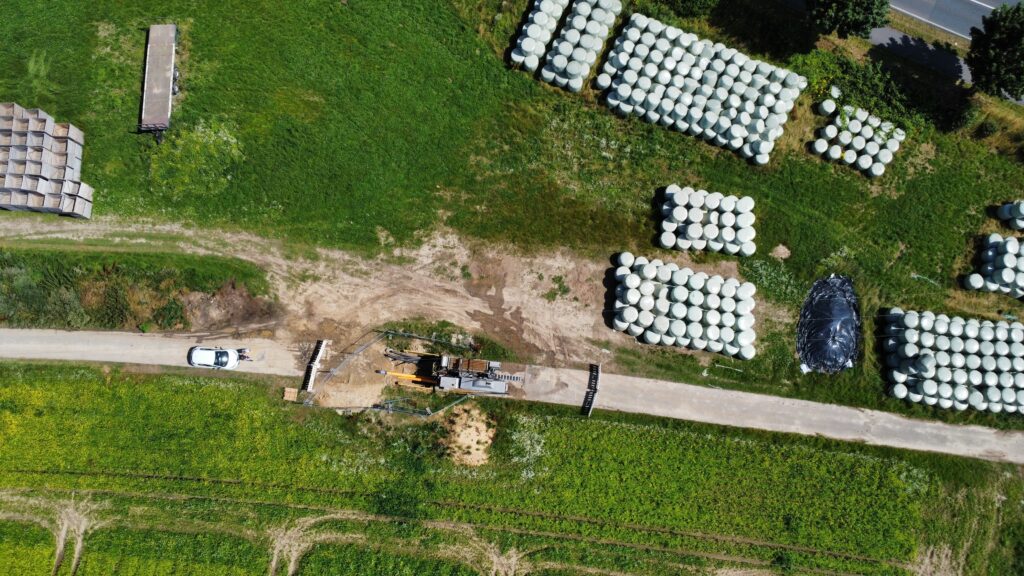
{"points": [[207, 357]]}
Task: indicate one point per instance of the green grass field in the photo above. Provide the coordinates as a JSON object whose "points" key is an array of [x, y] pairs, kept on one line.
{"points": [[148, 457], [321, 122], [365, 124]]}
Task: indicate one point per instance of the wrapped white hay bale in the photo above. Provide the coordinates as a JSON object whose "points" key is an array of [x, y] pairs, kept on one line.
{"points": [[663, 304], [1002, 267], [580, 42], [1012, 214], [537, 32], [704, 89], [954, 362], [708, 220], [856, 137]]}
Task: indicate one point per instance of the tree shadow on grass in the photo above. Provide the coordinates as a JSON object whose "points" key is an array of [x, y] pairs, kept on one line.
{"points": [[778, 30], [937, 96], [939, 58]]}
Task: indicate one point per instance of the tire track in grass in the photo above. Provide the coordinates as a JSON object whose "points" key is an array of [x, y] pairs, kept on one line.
{"points": [[443, 525], [453, 504]]}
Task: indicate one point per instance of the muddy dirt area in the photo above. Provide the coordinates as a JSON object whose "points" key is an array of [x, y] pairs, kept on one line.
{"points": [[355, 385], [780, 252]]}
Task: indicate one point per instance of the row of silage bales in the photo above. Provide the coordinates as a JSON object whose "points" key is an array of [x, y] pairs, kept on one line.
{"points": [[1002, 267], [857, 138], [699, 220], [580, 42], [1012, 214], [537, 32], [660, 303], [953, 362], [673, 78]]}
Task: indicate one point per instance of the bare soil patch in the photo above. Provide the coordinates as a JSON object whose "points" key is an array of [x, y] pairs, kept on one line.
{"points": [[355, 386], [921, 159], [470, 435], [231, 306], [780, 252]]}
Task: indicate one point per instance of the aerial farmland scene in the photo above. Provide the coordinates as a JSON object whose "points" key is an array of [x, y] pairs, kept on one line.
{"points": [[512, 287]]}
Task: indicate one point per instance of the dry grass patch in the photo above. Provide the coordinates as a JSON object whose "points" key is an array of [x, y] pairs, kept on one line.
{"points": [[470, 435]]}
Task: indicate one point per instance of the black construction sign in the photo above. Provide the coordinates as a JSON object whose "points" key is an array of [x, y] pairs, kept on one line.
{"points": [[592, 386]]}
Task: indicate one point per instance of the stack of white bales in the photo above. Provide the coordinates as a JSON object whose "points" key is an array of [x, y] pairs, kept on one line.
{"points": [[675, 79], [955, 362], [663, 304], [537, 32], [1012, 213], [856, 137], [1002, 268], [580, 43], [698, 220]]}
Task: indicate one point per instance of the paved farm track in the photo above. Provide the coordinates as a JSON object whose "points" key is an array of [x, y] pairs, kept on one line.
{"points": [[567, 386]]}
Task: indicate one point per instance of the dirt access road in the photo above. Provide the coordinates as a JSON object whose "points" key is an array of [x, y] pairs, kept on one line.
{"points": [[567, 386], [338, 295], [481, 289]]}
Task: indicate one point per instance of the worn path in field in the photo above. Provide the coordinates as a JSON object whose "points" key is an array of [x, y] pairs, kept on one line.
{"points": [[567, 386], [340, 295]]}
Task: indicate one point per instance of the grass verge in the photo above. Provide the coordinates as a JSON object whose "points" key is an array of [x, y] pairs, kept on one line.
{"points": [[51, 288]]}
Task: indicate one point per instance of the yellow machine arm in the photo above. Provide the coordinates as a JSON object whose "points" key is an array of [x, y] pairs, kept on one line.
{"points": [[409, 377]]}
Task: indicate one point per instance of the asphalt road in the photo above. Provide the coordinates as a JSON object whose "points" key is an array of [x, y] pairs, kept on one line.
{"points": [[955, 16], [564, 386], [772, 413], [269, 357]]}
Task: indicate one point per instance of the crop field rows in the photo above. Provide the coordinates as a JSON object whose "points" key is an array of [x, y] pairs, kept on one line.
{"points": [[226, 445], [132, 514], [499, 518]]}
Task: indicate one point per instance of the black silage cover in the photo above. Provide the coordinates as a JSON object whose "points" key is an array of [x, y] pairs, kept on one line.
{"points": [[829, 332]]}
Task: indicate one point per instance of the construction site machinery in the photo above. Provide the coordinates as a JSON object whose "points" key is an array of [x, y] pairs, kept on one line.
{"points": [[451, 374]]}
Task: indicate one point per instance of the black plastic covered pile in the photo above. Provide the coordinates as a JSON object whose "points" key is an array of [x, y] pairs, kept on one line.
{"points": [[828, 335]]}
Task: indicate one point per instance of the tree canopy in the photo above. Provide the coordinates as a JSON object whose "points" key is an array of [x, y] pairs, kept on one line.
{"points": [[848, 17], [996, 57]]}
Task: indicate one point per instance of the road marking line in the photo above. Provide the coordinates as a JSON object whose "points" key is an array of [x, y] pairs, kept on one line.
{"points": [[927, 21], [982, 4]]}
